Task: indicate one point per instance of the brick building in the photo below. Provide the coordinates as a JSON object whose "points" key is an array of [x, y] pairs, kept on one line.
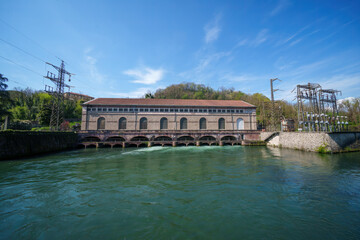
{"points": [[126, 114]]}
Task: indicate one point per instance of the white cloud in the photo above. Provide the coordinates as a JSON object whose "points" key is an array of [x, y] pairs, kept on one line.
{"points": [[212, 30], [282, 4], [145, 75]]}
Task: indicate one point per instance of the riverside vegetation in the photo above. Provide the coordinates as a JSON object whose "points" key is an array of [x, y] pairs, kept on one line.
{"points": [[29, 108]]}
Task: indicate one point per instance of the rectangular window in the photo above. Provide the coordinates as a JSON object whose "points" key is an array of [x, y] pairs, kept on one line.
{"points": [[191, 110], [205, 110], [186, 110], [161, 110], [223, 110], [151, 109], [141, 109], [171, 110], [241, 111], [166, 110], [181, 110], [156, 109], [93, 109], [232, 110], [176, 110], [195, 110], [131, 110], [110, 109], [104, 109], [200, 110], [146, 110]]}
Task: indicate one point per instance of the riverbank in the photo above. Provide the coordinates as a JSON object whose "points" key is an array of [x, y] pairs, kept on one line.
{"points": [[20, 144]]}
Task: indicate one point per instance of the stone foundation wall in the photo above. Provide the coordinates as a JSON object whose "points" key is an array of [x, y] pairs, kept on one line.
{"points": [[314, 142], [19, 144]]}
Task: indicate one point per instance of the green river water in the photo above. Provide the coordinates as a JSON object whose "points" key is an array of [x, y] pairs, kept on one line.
{"points": [[181, 193]]}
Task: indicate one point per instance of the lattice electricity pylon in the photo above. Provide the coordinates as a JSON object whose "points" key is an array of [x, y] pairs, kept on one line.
{"points": [[327, 101], [307, 92], [57, 113]]}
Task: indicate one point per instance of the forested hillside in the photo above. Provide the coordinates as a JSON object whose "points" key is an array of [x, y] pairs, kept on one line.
{"points": [[199, 91], [283, 109]]}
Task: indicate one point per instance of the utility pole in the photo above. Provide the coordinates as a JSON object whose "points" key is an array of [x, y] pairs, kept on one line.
{"points": [[57, 111], [273, 122]]}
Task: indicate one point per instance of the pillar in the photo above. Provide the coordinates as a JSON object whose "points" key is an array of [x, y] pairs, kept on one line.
{"points": [[174, 144]]}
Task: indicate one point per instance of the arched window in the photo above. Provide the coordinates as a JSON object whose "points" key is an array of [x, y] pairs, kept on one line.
{"points": [[183, 123], [221, 123], [122, 123], [163, 123], [101, 123], [143, 123], [240, 124], [202, 123]]}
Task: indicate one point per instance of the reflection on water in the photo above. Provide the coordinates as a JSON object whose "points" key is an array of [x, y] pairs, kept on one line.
{"points": [[183, 192]]}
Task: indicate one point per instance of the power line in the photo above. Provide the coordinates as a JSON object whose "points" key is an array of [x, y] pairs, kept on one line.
{"points": [[20, 65], [22, 50], [24, 35]]}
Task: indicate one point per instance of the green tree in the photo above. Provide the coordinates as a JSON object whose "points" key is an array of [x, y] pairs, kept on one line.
{"points": [[4, 97]]}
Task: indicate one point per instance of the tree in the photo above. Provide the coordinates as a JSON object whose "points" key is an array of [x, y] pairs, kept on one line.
{"points": [[4, 97]]}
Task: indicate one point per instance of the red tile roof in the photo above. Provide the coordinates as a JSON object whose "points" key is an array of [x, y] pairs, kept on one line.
{"points": [[168, 102]]}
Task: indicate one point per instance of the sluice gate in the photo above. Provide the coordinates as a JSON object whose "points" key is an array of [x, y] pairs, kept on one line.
{"points": [[123, 139]]}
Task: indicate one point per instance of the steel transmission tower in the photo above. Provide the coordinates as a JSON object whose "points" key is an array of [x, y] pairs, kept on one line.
{"points": [[57, 111], [273, 120]]}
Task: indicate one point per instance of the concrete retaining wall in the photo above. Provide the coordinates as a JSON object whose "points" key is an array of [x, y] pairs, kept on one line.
{"points": [[315, 142], [19, 144]]}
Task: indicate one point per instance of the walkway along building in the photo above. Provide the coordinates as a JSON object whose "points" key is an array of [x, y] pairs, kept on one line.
{"points": [[137, 122]]}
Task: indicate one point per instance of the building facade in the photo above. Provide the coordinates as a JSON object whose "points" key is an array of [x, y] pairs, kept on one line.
{"points": [[125, 114]]}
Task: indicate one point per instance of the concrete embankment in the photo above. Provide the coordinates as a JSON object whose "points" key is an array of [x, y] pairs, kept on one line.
{"points": [[20, 144], [313, 141]]}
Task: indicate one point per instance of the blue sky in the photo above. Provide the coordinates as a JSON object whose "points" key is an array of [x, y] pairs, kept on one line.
{"points": [[125, 48]]}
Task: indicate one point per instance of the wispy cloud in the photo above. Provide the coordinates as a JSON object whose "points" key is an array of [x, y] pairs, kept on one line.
{"points": [[243, 77], [91, 65], [212, 30], [203, 70], [261, 37], [282, 4], [145, 75]]}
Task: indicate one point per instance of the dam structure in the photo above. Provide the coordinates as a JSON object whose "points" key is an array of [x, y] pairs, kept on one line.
{"points": [[126, 122]]}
